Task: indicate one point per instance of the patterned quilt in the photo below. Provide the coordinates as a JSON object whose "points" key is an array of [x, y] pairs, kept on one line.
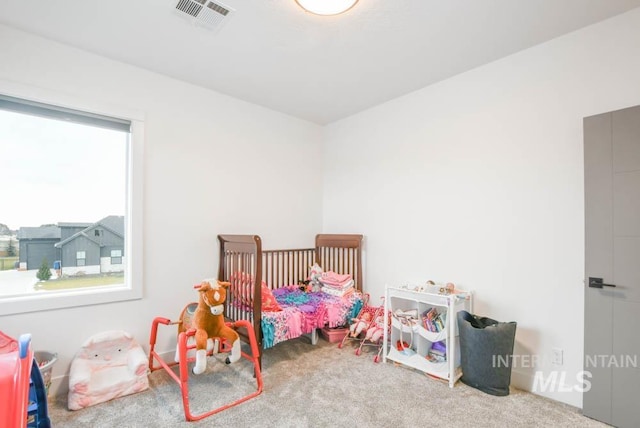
{"points": [[302, 312]]}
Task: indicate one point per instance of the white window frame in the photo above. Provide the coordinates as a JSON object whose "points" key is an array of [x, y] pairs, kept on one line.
{"points": [[133, 285], [83, 258], [118, 255]]}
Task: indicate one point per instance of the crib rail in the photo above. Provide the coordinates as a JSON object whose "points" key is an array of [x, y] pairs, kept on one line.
{"points": [[342, 254], [286, 267], [238, 265]]}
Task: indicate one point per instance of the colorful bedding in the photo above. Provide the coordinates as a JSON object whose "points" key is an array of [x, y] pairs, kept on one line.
{"points": [[302, 312]]}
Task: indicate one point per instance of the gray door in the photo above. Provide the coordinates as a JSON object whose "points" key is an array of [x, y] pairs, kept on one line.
{"points": [[612, 227]]}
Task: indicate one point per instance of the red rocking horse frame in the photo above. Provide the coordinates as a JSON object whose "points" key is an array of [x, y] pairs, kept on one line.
{"points": [[183, 378]]}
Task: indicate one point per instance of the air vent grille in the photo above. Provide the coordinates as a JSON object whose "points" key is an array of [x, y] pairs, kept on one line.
{"points": [[190, 7], [217, 8], [210, 13]]}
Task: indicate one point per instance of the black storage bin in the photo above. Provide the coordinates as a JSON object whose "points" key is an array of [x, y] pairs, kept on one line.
{"points": [[486, 350]]}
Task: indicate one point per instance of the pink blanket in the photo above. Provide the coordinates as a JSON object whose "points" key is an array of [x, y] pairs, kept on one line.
{"points": [[335, 279]]}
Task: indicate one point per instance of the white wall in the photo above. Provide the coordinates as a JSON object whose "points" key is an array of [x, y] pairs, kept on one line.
{"points": [[196, 140], [478, 180], [475, 180]]}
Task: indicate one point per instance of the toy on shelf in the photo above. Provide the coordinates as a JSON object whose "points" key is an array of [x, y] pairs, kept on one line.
{"points": [[199, 323], [443, 289], [109, 365]]}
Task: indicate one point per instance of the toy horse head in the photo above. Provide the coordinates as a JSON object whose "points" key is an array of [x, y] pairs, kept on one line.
{"points": [[213, 295]]}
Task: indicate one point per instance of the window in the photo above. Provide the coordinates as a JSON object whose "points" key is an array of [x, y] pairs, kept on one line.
{"points": [[116, 257], [60, 182], [80, 258]]}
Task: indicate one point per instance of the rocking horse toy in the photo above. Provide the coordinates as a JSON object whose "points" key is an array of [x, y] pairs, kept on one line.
{"points": [[211, 330], [202, 328]]}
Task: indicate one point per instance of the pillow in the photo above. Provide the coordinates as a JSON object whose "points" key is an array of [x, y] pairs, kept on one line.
{"points": [[242, 289], [269, 302]]}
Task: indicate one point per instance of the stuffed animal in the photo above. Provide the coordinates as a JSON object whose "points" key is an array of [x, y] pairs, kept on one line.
{"points": [[315, 273], [360, 324], [375, 332], [450, 288], [305, 286], [208, 321]]}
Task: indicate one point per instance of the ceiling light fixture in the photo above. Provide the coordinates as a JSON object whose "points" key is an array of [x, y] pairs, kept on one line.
{"points": [[326, 7]]}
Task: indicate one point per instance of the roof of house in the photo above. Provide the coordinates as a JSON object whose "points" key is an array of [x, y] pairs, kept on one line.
{"points": [[76, 224], [113, 223], [42, 232]]}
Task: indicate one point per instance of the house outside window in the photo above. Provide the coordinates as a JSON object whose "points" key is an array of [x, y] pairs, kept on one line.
{"points": [[54, 139], [81, 257], [116, 257]]}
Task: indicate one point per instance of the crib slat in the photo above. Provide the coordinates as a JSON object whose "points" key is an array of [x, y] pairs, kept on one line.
{"points": [[243, 254]]}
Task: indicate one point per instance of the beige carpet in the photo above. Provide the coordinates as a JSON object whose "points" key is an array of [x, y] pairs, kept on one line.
{"points": [[321, 386]]}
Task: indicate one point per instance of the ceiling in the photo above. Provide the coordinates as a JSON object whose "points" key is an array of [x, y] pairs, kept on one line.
{"points": [[322, 69]]}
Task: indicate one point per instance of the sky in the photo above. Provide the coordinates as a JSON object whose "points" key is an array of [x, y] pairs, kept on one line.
{"points": [[55, 171]]}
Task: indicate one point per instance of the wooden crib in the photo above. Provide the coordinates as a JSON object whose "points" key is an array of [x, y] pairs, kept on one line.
{"points": [[243, 254]]}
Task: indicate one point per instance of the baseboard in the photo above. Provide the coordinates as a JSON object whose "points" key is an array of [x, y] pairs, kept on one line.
{"points": [[554, 385]]}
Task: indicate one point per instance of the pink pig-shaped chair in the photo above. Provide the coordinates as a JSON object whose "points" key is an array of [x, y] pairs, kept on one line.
{"points": [[110, 364]]}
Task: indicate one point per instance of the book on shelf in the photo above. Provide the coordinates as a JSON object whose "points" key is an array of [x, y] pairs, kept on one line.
{"points": [[438, 352], [433, 321], [433, 358]]}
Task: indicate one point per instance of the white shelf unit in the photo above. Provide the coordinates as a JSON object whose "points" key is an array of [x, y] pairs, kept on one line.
{"points": [[408, 298]]}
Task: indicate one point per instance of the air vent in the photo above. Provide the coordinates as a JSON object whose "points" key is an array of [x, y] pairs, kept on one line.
{"points": [[210, 13]]}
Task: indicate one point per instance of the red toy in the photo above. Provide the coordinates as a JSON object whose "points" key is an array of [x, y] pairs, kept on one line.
{"points": [[367, 328], [187, 339], [16, 358]]}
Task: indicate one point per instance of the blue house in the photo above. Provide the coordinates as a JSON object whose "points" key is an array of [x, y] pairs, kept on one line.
{"points": [[37, 244], [87, 248], [98, 248]]}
